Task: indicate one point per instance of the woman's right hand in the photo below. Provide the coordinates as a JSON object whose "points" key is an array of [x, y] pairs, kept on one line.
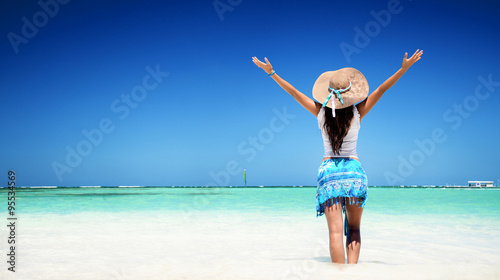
{"points": [[265, 66]]}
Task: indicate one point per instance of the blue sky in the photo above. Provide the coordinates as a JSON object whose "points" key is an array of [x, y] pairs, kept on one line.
{"points": [[165, 92]]}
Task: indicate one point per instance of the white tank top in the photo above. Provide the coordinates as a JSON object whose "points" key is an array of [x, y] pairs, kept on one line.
{"points": [[348, 148]]}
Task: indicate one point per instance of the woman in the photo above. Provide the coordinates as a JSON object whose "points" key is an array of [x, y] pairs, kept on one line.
{"points": [[342, 182]]}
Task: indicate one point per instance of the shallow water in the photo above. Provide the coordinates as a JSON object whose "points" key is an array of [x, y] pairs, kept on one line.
{"points": [[253, 233]]}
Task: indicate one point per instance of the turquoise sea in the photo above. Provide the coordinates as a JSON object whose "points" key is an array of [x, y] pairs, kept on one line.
{"points": [[247, 233]]}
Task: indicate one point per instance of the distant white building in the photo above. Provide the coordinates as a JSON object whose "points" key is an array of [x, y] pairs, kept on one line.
{"points": [[481, 184]]}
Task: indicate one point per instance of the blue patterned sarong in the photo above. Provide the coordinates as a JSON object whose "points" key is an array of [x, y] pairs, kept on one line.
{"points": [[340, 179]]}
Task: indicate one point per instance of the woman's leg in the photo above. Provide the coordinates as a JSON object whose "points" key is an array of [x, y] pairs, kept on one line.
{"points": [[354, 220], [335, 231]]}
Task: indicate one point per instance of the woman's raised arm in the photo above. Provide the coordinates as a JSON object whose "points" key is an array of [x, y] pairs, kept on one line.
{"points": [[365, 106], [303, 99]]}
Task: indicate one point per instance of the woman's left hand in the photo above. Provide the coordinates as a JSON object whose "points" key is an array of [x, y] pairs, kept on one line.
{"points": [[265, 66], [407, 62]]}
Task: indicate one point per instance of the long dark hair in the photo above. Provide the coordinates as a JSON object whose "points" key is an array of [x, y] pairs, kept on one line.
{"points": [[337, 128]]}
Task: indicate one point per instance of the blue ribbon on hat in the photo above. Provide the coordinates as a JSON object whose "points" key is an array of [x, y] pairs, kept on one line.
{"points": [[338, 92]]}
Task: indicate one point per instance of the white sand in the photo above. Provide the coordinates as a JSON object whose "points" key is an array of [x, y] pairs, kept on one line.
{"points": [[235, 245]]}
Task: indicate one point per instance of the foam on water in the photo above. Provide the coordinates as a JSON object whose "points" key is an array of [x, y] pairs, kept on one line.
{"points": [[200, 234]]}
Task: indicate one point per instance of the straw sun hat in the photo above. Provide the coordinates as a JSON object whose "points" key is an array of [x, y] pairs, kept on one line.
{"points": [[349, 87]]}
